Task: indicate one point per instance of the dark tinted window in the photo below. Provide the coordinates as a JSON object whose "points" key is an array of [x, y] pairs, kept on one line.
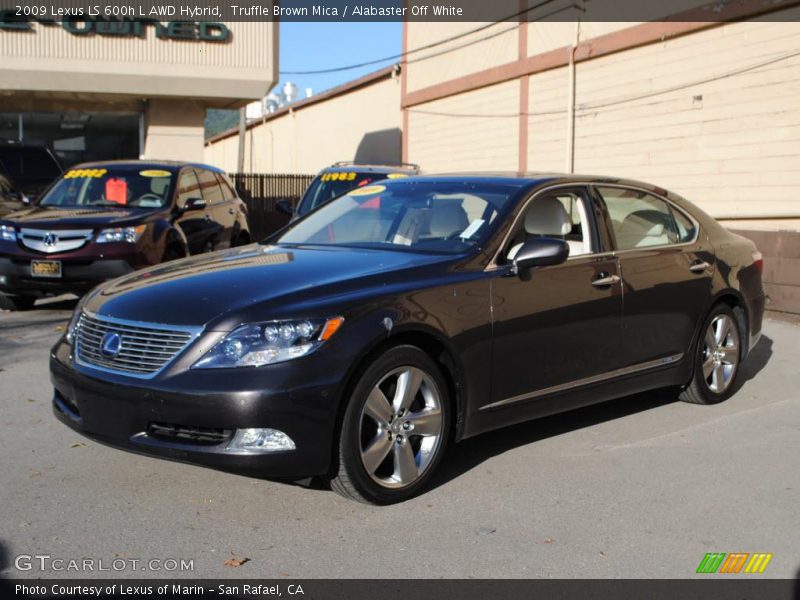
{"points": [[209, 186], [227, 191], [188, 187], [329, 185]]}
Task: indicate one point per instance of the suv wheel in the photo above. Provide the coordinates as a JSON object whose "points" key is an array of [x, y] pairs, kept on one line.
{"points": [[16, 302], [395, 428]]}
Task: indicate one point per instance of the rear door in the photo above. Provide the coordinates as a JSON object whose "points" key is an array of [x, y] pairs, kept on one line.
{"points": [[555, 327], [666, 267], [226, 212], [215, 212]]}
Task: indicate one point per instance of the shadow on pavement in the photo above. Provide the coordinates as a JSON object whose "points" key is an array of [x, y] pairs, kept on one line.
{"points": [[470, 453]]}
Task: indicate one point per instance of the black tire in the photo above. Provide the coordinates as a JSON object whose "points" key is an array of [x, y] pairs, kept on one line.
{"points": [[171, 253], [16, 302], [701, 388], [351, 479]]}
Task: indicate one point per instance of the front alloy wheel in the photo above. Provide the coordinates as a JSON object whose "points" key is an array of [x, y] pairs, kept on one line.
{"points": [[395, 428], [717, 357]]}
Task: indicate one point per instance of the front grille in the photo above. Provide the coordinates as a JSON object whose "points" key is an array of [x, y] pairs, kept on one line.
{"points": [[186, 434], [57, 240], [141, 350]]}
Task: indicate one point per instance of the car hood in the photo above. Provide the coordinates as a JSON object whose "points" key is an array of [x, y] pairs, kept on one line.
{"points": [[222, 289], [54, 217]]}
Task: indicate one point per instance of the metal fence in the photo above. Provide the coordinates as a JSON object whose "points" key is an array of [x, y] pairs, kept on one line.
{"points": [[261, 191]]}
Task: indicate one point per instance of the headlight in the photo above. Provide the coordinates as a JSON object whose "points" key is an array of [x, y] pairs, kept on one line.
{"points": [[260, 344], [121, 234], [72, 328], [7, 233]]}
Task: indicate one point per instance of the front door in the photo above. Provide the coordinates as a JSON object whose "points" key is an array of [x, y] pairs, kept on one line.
{"points": [[555, 326]]}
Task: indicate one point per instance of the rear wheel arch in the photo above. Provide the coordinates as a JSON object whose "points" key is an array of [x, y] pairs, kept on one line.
{"points": [[738, 305]]}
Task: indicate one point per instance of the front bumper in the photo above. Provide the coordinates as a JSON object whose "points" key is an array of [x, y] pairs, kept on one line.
{"points": [[122, 412], [78, 276]]}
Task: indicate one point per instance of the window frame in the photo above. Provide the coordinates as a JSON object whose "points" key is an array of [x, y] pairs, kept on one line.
{"points": [[671, 206], [597, 238]]}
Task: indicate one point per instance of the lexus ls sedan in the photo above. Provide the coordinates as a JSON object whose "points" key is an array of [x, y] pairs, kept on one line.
{"points": [[362, 340]]}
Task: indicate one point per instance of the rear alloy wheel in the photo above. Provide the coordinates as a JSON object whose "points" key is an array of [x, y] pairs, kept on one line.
{"points": [[16, 302], [395, 428], [716, 360]]}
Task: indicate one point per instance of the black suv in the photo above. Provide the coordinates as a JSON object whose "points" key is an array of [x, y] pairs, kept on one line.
{"points": [[342, 177], [106, 219]]}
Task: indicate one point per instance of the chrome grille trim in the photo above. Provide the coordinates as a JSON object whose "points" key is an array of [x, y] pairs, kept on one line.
{"points": [[56, 240], [146, 348]]}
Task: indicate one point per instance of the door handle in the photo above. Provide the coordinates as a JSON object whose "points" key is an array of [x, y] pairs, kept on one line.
{"points": [[606, 281], [699, 267]]}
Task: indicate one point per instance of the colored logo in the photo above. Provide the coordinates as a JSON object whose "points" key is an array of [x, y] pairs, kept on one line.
{"points": [[111, 344], [733, 563]]}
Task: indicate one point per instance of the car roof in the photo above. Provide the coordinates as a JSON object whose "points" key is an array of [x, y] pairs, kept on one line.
{"points": [[536, 179], [170, 165], [366, 168]]}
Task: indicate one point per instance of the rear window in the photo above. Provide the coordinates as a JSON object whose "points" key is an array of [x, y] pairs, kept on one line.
{"points": [[332, 184], [133, 186]]}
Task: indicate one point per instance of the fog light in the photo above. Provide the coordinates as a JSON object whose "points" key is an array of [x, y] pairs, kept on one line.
{"points": [[260, 440], [3, 280]]}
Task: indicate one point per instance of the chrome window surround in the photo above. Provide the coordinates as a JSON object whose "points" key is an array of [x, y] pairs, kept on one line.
{"points": [[54, 241], [496, 264], [193, 334]]}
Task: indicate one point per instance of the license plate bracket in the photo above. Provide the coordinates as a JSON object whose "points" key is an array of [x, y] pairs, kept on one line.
{"points": [[46, 268]]}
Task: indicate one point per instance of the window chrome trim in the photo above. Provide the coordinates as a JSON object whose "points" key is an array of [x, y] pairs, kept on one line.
{"points": [[669, 203], [192, 330], [645, 366], [494, 264]]}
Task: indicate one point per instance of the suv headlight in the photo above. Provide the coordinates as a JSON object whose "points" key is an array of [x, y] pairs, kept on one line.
{"points": [[7, 233], [121, 234], [260, 344]]}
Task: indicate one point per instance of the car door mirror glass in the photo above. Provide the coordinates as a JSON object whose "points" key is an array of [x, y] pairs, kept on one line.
{"points": [[193, 204], [540, 252]]}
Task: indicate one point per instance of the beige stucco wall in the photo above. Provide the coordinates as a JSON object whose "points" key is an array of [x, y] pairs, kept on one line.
{"points": [[702, 114], [49, 59], [364, 124], [447, 136]]}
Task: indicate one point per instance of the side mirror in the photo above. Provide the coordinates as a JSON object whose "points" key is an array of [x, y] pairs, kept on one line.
{"points": [[283, 205], [541, 252], [193, 204]]}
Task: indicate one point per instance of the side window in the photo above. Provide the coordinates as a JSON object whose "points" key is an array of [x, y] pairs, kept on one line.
{"points": [[640, 220], [188, 187], [209, 186], [562, 215], [686, 228], [227, 190]]}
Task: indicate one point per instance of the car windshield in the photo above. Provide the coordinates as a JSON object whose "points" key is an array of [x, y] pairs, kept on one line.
{"points": [[332, 184], [134, 186], [419, 216]]}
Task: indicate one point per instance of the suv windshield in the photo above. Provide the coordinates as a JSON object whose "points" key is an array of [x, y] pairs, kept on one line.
{"points": [[135, 186], [332, 184], [440, 217]]}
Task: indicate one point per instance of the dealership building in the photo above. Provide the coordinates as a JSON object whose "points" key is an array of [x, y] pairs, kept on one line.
{"points": [[95, 90]]}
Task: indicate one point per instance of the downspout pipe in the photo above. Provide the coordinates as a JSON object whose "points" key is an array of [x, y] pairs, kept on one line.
{"points": [[570, 161]]}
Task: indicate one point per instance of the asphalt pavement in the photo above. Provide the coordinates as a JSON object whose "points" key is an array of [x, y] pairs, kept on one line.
{"points": [[639, 487]]}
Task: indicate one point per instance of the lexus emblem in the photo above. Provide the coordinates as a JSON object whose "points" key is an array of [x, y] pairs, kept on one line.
{"points": [[50, 239], [111, 344]]}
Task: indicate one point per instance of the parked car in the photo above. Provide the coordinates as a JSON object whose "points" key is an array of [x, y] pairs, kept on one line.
{"points": [[31, 168], [339, 179], [106, 219], [363, 339]]}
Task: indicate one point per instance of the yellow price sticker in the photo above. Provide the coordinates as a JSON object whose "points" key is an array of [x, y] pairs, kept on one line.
{"points": [[84, 173], [154, 173], [396, 176], [338, 176], [368, 190]]}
